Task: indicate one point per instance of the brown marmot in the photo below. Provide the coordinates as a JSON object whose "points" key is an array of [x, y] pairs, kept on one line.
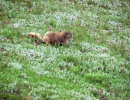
{"points": [[52, 38]]}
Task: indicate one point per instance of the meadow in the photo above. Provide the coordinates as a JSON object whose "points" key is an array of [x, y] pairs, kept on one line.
{"points": [[94, 65]]}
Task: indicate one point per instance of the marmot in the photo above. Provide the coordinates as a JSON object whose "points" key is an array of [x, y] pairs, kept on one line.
{"points": [[52, 38]]}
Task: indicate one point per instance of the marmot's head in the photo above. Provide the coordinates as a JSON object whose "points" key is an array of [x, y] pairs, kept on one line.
{"points": [[67, 35]]}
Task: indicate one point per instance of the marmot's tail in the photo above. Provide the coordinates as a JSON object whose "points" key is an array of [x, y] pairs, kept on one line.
{"points": [[36, 35]]}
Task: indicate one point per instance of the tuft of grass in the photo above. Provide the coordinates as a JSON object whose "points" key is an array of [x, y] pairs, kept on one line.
{"points": [[10, 33], [9, 96]]}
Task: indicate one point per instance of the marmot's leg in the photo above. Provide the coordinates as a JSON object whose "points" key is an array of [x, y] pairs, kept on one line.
{"points": [[46, 39]]}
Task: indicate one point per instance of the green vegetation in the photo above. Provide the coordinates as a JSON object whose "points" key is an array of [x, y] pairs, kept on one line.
{"points": [[95, 64]]}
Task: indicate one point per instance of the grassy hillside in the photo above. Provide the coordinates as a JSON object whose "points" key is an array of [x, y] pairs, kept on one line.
{"points": [[94, 65]]}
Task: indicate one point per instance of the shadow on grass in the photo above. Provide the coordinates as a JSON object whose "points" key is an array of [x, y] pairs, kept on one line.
{"points": [[9, 96]]}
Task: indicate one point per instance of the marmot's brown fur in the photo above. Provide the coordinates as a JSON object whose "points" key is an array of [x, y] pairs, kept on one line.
{"points": [[53, 37]]}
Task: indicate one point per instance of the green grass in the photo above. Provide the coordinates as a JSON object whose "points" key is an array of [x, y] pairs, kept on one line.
{"points": [[94, 65]]}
